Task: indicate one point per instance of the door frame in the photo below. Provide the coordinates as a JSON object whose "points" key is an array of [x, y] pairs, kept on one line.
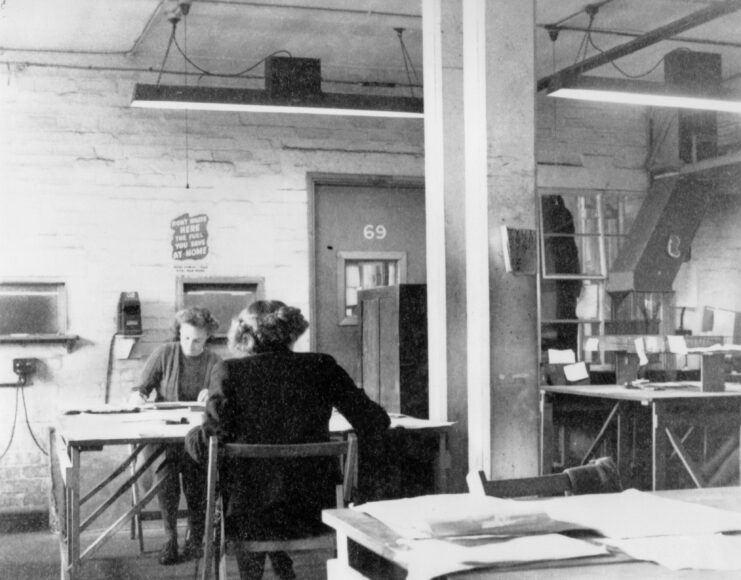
{"points": [[317, 179]]}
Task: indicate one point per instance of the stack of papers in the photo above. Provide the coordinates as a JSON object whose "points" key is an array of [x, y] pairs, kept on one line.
{"points": [[436, 516], [445, 533]]}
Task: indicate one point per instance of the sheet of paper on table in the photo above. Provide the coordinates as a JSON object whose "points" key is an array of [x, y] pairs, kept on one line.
{"points": [[576, 372], [564, 357], [698, 552], [637, 514], [641, 351], [428, 559], [677, 344]]}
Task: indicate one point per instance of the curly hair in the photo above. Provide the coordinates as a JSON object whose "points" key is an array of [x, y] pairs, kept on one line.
{"points": [[266, 325], [196, 316]]}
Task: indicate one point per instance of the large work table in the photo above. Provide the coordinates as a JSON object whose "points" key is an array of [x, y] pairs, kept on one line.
{"points": [[670, 414], [92, 430], [383, 541]]}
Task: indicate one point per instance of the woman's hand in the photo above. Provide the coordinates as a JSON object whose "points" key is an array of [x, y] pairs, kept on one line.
{"points": [[202, 396], [137, 399]]}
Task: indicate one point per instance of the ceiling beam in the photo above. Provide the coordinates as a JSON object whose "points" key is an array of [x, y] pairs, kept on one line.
{"points": [[662, 33], [611, 32]]}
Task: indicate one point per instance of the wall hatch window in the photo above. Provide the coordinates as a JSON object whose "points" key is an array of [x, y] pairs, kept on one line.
{"points": [[225, 297], [363, 271], [32, 309]]}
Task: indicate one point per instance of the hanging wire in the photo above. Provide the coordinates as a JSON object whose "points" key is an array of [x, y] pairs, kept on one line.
{"points": [[174, 19], [407, 61], [582, 48], [586, 39], [185, 70], [12, 429], [554, 37], [183, 51], [167, 51], [592, 11], [28, 423], [639, 75]]}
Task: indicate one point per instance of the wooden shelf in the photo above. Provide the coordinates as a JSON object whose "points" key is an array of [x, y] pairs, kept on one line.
{"points": [[68, 340]]}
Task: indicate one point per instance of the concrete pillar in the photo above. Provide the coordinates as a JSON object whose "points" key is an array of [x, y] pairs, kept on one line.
{"points": [[480, 173], [444, 177], [499, 87]]}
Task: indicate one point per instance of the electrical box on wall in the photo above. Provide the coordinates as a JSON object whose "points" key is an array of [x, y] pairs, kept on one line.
{"points": [[129, 314], [22, 370]]}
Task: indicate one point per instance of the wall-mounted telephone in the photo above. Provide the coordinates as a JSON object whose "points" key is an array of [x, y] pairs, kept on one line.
{"points": [[129, 314]]}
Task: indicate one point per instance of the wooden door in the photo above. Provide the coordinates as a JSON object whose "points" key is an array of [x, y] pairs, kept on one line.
{"points": [[365, 235]]}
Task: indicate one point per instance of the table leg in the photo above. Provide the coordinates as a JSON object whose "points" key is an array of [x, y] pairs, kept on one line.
{"points": [[658, 449], [546, 435], [339, 568], [342, 551], [443, 463], [623, 445], [73, 526], [63, 561]]}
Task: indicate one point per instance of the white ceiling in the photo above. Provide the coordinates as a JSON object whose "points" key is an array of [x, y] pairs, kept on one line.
{"points": [[354, 39]]}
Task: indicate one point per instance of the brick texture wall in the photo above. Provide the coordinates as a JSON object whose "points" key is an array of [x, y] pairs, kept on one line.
{"points": [[89, 188]]}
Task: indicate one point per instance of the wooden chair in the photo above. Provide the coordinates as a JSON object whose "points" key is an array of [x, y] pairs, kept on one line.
{"points": [[599, 476], [215, 544]]}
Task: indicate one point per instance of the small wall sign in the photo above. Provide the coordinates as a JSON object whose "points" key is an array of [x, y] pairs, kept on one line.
{"points": [[189, 237]]}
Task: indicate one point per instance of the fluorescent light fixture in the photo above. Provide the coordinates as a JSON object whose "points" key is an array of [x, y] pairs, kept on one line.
{"points": [[632, 92], [246, 100]]}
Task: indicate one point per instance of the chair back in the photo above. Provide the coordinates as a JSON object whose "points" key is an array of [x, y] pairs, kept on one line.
{"points": [[346, 449], [599, 476], [541, 486]]}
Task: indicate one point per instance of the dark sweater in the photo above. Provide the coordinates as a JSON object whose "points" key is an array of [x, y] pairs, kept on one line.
{"points": [[162, 373]]}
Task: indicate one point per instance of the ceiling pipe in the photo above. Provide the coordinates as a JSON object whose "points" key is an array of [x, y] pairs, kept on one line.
{"points": [[662, 33]]}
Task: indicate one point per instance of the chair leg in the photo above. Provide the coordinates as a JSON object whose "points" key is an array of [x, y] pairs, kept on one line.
{"points": [[221, 553]]}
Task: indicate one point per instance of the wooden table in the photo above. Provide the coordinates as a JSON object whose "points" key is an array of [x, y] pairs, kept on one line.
{"points": [[86, 432], [380, 539], [670, 415]]}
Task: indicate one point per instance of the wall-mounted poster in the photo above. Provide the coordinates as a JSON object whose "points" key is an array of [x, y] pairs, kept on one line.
{"points": [[189, 237]]}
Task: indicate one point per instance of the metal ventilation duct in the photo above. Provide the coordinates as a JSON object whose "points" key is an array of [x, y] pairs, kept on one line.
{"points": [[662, 233]]}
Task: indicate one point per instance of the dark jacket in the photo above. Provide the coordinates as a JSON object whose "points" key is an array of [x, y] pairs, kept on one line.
{"points": [[280, 397]]}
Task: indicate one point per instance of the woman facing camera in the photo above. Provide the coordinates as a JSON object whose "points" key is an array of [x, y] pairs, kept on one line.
{"points": [[180, 371], [273, 395]]}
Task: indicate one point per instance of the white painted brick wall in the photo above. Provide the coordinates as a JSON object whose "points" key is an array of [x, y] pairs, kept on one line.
{"points": [[716, 253], [89, 187]]}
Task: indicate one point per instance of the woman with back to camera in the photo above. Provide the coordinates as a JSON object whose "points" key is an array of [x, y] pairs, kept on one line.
{"points": [[277, 396], [180, 371]]}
